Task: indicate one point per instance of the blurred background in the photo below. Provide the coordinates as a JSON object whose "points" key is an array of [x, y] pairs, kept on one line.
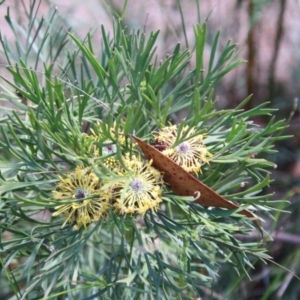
{"points": [[268, 36]]}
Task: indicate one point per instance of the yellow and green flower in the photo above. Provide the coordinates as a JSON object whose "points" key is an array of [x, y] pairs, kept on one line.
{"points": [[86, 202], [141, 188], [190, 154]]}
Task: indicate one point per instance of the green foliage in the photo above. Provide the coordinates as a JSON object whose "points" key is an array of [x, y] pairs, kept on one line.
{"points": [[175, 252]]}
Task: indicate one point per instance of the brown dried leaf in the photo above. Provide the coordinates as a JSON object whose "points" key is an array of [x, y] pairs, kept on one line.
{"points": [[183, 183]]}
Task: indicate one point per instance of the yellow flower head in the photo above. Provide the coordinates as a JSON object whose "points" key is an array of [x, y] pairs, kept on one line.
{"points": [[106, 139], [88, 145], [89, 204], [190, 154], [101, 130], [140, 190]]}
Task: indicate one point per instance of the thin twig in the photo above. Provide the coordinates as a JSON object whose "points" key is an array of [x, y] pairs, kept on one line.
{"points": [[282, 237]]}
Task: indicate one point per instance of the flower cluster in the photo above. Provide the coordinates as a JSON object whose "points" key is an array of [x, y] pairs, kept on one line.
{"points": [[137, 186], [140, 190], [190, 154], [102, 140], [86, 202]]}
